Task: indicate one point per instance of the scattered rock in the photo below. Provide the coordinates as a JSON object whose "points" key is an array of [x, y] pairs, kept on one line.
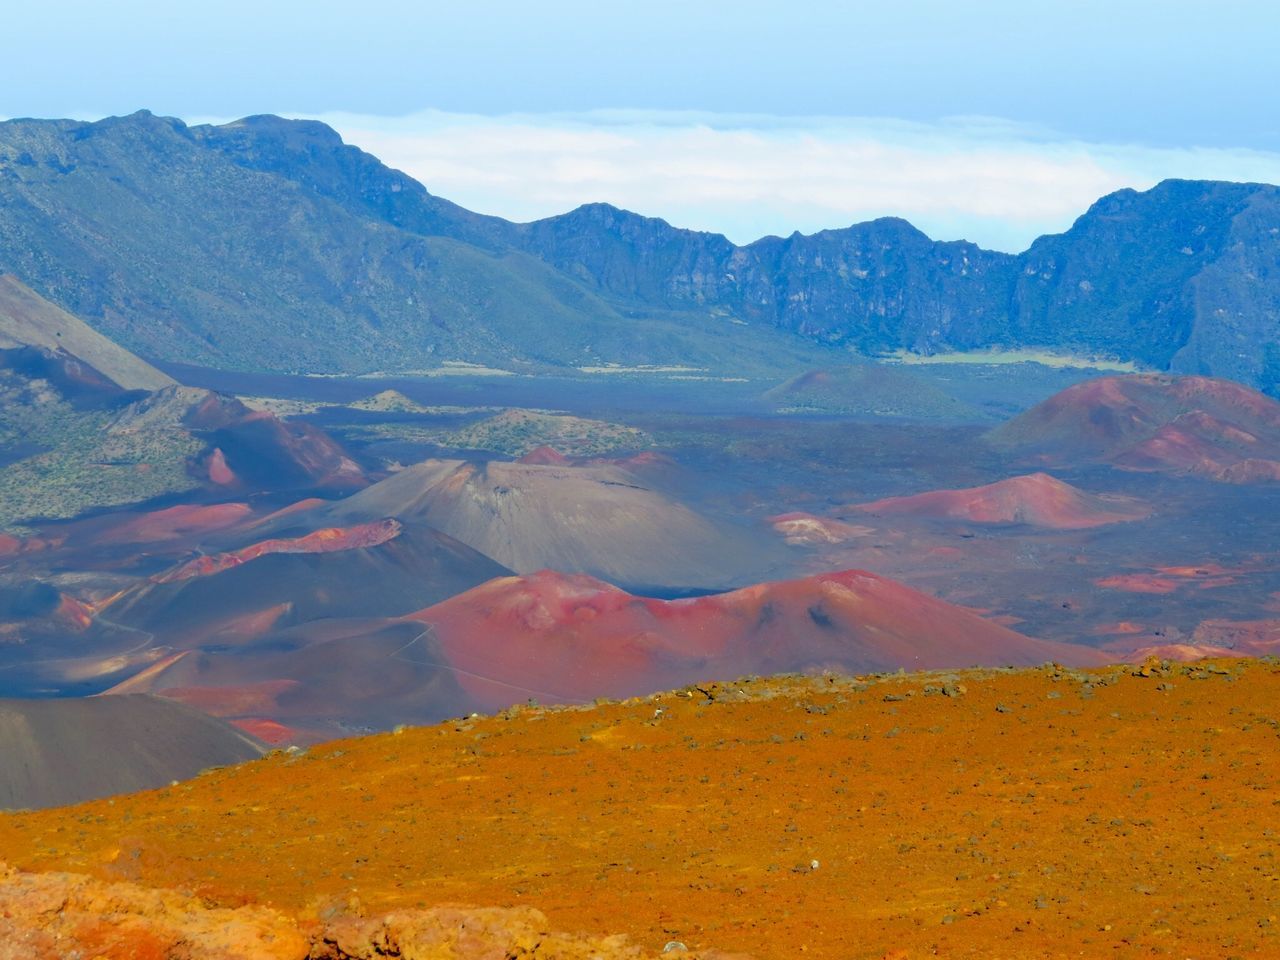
{"points": [[44, 916], [54, 916]]}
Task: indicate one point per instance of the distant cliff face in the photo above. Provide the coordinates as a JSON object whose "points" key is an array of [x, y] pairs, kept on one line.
{"points": [[875, 286], [270, 244], [1184, 277]]}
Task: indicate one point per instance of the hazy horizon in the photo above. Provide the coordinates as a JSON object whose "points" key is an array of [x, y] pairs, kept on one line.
{"points": [[990, 124]]}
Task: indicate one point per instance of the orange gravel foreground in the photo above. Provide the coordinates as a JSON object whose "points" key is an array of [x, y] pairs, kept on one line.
{"points": [[1122, 812]]}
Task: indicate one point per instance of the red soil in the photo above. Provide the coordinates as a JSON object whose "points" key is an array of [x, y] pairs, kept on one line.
{"points": [[310, 503], [1199, 571], [1005, 619], [268, 731], [546, 456], [215, 411], [1208, 426], [1037, 499], [258, 448], [12, 546], [1214, 428], [172, 523], [73, 614], [1162, 580], [218, 471], [1104, 405], [1129, 401], [328, 540], [1139, 583], [56, 916], [1174, 449], [1122, 628], [1194, 391], [574, 637], [1201, 444], [233, 701], [1251, 637]]}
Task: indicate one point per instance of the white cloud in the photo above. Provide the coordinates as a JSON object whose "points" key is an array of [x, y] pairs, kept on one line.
{"points": [[984, 179]]}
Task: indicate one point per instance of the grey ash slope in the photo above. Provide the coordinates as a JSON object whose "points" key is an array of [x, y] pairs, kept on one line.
{"points": [[270, 244], [595, 519], [56, 752], [27, 320], [414, 569]]}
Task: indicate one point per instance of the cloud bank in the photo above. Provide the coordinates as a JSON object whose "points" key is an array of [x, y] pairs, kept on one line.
{"points": [[992, 182]]}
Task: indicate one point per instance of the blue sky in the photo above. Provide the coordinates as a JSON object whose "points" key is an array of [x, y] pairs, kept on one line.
{"points": [[992, 120]]}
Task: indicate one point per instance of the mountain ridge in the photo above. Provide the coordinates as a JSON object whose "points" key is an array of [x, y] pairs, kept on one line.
{"points": [[270, 244]]}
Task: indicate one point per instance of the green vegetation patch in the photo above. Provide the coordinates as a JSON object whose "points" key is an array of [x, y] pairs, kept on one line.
{"points": [[84, 458], [869, 390], [517, 432]]}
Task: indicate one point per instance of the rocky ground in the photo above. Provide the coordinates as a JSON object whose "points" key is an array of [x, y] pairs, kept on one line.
{"points": [[55, 916], [1122, 812]]}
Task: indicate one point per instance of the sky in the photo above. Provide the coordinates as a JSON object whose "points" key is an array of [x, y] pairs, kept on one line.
{"points": [[993, 121]]}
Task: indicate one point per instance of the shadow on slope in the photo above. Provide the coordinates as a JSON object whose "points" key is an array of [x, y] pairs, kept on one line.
{"points": [[56, 752]]}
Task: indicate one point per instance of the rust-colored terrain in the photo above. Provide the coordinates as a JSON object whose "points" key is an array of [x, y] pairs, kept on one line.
{"points": [[315, 667], [1113, 812], [1155, 423], [570, 638], [1036, 499]]}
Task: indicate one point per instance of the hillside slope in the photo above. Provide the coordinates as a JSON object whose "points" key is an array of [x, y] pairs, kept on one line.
{"points": [[575, 638], [209, 245], [555, 637], [382, 569], [28, 320], [598, 519], [1036, 499], [1144, 422], [1121, 812], [235, 245], [55, 752], [1178, 277]]}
